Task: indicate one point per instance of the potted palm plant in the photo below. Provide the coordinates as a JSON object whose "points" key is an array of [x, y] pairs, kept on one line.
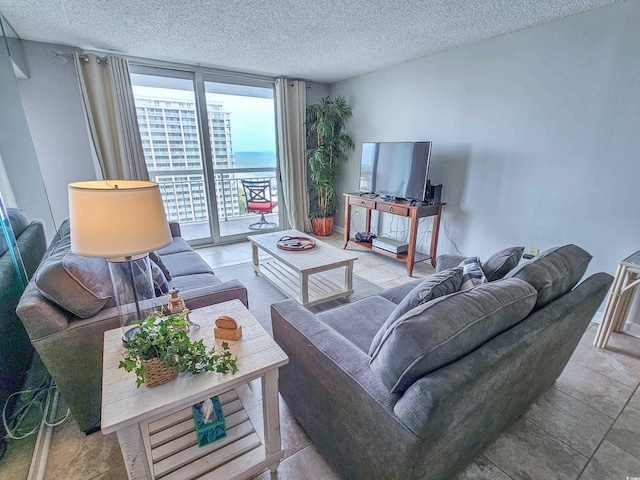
{"points": [[328, 145]]}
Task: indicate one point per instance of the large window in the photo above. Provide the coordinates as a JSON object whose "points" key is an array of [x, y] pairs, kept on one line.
{"points": [[200, 168]]}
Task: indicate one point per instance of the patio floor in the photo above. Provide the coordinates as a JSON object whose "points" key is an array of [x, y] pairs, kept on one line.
{"points": [[229, 227]]}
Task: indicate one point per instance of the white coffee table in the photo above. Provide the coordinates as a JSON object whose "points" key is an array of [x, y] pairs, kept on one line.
{"points": [[155, 425], [302, 275]]}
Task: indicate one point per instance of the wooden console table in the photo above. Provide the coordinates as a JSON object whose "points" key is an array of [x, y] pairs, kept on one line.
{"points": [[413, 212]]}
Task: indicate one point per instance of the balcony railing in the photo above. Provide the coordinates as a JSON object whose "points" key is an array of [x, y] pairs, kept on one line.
{"points": [[185, 199]]}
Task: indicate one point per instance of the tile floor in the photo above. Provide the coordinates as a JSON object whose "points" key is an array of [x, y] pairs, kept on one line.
{"points": [[586, 427]]}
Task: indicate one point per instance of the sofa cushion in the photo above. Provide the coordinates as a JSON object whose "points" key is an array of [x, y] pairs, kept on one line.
{"points": [[80, 285], [359, 321], [448, 328], [18, 220], [157, 259], [196, 280], [177, 245], [554, 272], [396, 294], [185, 263], [160, 285], [472, 273], [501, 263], [433, 286]]}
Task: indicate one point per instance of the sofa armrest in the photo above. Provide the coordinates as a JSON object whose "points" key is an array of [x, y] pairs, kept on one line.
{"points": [[447, 261], [174, 227], [211, 294], [340, 402]]}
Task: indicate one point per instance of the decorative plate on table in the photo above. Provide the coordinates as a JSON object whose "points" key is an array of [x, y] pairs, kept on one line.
{"points": [[296, 243]]}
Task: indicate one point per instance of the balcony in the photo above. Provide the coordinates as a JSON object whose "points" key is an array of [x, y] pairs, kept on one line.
{"points": [[184, 197]]}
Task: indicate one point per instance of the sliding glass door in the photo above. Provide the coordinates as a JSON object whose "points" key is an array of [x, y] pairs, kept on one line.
{"points": [[203, 140], [241, 121]]}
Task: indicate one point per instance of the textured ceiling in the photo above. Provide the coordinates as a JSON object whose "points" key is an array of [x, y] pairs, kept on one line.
{"points": [[320, 40]]}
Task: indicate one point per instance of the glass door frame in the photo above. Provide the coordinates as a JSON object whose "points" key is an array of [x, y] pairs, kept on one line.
{"points": [[202, 106], [199, 78], [158, 71]]}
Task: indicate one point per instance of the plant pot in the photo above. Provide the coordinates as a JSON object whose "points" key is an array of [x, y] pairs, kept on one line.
{"points": [[157, 373], [322, 227]]}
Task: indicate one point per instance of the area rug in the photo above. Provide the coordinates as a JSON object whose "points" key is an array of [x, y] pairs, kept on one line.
{"points": [[262, 294]]}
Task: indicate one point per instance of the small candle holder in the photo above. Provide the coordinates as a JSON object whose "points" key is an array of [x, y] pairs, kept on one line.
{"points": [[176, 305]]}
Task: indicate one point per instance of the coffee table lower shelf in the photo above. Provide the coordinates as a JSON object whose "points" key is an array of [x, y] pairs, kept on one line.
{"points": [[321, 288], [174, 453]]}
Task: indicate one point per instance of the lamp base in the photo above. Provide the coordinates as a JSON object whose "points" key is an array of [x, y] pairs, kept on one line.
{"points": [[133, 289], [128, 335]]}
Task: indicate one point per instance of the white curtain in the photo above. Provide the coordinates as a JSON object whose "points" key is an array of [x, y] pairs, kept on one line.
{"points": [[110, 111], [291, 104]]}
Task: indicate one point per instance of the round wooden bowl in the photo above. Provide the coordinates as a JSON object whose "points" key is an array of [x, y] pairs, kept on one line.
{"points": [[295, 244]]}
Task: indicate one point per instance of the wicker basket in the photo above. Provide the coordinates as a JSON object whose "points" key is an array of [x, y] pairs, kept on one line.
{"points": [[157, 373]]}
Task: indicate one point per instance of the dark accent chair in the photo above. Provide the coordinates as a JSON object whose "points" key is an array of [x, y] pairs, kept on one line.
{"points": [[258, 195]]}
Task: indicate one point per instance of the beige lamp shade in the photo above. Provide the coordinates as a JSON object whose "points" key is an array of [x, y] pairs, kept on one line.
{"points": [[117, 218]]}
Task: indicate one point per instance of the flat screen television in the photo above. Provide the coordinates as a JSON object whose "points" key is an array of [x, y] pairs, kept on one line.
{"points": [[396, 169]]}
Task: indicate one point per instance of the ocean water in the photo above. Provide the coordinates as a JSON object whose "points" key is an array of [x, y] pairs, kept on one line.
{"points": [[254, 159]]}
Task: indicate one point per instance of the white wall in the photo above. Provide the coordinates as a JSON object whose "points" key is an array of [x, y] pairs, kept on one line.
{"points": [[315, 91], [17, 150], [53, 106], [536, 134]]}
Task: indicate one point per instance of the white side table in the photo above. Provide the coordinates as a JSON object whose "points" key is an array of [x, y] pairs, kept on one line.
{"points": [[622, 292], [155, 425]]}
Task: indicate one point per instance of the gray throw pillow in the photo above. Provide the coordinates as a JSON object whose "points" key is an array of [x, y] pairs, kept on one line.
{"points": [[433, 286], [160, 285], [554, 272], [501, 263], [472, 273], [157, 259], [80, 285], [448, 328]]}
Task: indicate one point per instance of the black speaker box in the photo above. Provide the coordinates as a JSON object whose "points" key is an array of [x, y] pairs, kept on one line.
{"points": [[435, 194]]}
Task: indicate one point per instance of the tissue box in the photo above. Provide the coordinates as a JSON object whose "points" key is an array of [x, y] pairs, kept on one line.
{"points": [[209, 432]]}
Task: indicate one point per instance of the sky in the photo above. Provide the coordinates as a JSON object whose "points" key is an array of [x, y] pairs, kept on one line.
{"points": [[252, 118], [252, 122]]}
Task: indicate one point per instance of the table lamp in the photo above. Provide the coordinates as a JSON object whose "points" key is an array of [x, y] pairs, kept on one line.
{"points": [[122, 221]]}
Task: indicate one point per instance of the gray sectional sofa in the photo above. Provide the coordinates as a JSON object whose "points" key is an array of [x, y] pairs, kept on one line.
{"points": [[68, 305], [15, 348], [415, 382]]}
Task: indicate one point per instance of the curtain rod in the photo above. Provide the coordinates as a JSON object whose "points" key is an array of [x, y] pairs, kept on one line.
{"points": [[83, 56], [176, 66], [291, 84]]}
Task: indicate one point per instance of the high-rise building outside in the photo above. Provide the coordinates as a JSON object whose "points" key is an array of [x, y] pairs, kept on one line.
{"points": [[171, 145]]}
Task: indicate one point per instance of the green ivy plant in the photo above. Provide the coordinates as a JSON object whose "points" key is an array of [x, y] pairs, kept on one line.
{"points": [[165, 337]]}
